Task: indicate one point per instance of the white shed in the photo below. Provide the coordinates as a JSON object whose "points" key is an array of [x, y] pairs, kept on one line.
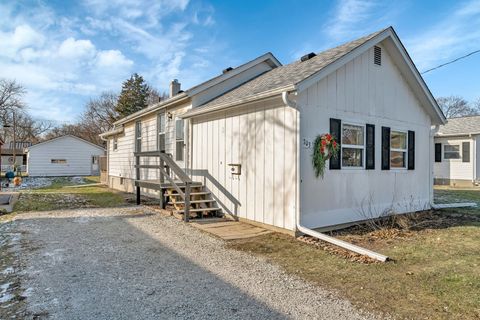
{"points": [[64, 156]]}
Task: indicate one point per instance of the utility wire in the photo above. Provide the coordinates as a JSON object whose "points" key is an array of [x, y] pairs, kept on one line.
{"points": [[450, 62]]}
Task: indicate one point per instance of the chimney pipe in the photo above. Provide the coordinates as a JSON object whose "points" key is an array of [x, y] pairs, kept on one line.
{"points": [[174, 88]]}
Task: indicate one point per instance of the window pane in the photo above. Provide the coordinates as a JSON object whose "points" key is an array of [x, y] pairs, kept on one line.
{"points": [[161, 122], [452, 148], [451, 151], [451, 155], [161, 142], [352, 135], [398, 140], [352, 157], [398, 159], [179, 129], [179, 151]]}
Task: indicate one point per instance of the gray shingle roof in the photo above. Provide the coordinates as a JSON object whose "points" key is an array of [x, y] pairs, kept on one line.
{"points": [[289, 74], [460, 126]]}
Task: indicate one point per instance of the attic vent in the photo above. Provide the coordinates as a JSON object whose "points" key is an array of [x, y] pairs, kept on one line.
{"points": [[227, 69], [307, 56], [377, 55]]}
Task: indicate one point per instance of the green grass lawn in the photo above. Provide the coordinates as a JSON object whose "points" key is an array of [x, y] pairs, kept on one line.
{"points": [[435, 272], [65, 194]]}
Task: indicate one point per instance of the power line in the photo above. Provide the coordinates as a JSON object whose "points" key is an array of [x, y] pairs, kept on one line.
{"points": [[450, 62]]}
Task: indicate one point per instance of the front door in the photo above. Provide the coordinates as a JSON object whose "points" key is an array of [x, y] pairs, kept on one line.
{"points": [[179, 148], [95, 168]]}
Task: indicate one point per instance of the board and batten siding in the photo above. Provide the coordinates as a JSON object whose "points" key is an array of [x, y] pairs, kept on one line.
{"points": [[77, 153], [262, 138], [455, 169], [361, 92]]}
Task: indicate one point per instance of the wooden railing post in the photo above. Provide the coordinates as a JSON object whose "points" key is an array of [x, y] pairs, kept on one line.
{"points": [[161, 163], [137, 174], [187, 201]]}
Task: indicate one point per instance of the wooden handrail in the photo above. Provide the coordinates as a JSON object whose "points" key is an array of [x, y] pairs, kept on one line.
{"points": [[171, 165]]}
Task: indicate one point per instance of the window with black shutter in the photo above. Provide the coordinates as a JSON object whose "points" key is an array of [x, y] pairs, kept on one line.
{"points": [[370, 147], [335, 131], [465, 151], [411, 150], [438, 152], [385, 148]]}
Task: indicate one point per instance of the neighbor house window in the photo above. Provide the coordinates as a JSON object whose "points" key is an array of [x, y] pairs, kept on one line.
{"points": [[398, 149], [353, 145], [58, 161], [138, 136], [161, 125], [115, 143], [451, 151], [179, 139]]}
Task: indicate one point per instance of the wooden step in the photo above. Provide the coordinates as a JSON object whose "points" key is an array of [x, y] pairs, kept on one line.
{"points": [[198, 210], [193, 201], [191, 193]]}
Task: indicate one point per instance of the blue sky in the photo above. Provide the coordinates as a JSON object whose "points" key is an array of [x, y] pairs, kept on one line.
{"points": [[65, 52]]}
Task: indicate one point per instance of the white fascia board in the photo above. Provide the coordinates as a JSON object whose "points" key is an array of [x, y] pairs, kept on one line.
{"points": [[237, 103], [234, 72]]}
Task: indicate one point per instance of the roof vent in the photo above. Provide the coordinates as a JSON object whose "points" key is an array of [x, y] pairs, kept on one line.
{"points": [[308, 56], [227, 69], [377, 55]]}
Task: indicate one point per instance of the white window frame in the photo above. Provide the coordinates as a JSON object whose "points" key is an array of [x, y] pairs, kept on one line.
{"points": [[460, 151], [138, 135], [353, 146], [178, 119], [164, 133], [399, 150], [115, 143]]}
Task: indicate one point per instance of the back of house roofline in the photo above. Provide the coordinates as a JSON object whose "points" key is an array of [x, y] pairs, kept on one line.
{"points": [[183, 96], [421, 88]]}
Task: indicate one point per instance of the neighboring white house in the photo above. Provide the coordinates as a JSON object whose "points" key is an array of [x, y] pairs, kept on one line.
{"points": [[457, 155], [247, 135], [64, 156]]}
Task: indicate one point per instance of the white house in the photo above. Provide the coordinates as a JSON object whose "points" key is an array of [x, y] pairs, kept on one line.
{"points": [[64, 156], [457, 155], [246, 136]]}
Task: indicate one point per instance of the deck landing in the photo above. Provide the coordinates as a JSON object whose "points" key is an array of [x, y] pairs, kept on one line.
{"points": [[229, 229]]}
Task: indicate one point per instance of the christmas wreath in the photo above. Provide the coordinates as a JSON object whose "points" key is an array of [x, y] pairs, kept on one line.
{"points": [[324, 148]]}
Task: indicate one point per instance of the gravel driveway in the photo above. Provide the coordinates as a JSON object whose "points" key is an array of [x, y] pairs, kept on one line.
{"points": [[129, 263]]}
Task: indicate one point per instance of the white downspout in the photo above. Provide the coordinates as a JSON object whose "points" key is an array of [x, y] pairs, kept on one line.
{"points": [[305, 230], [433, 132]]}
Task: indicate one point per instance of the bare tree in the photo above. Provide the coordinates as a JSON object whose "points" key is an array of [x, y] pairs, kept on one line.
{"points": [[455, 106], [154, 96], [11, 94], [100, 113]]}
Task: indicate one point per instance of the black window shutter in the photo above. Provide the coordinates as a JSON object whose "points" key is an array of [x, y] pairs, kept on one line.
{"points": [[438, 152], [335, 131], [385, 148], [465, 151], [370, 147], [411, 150]]}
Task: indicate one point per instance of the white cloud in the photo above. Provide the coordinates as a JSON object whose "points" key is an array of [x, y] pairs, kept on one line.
{"points": [[348, 16], [455, 34], [76, 49], [112, 59]]}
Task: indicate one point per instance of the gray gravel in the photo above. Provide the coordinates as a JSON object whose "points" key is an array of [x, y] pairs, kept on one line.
{"points": [[127, 263]]}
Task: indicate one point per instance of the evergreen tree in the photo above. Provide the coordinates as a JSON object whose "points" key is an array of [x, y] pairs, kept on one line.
{"points": [[133, 97]]}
